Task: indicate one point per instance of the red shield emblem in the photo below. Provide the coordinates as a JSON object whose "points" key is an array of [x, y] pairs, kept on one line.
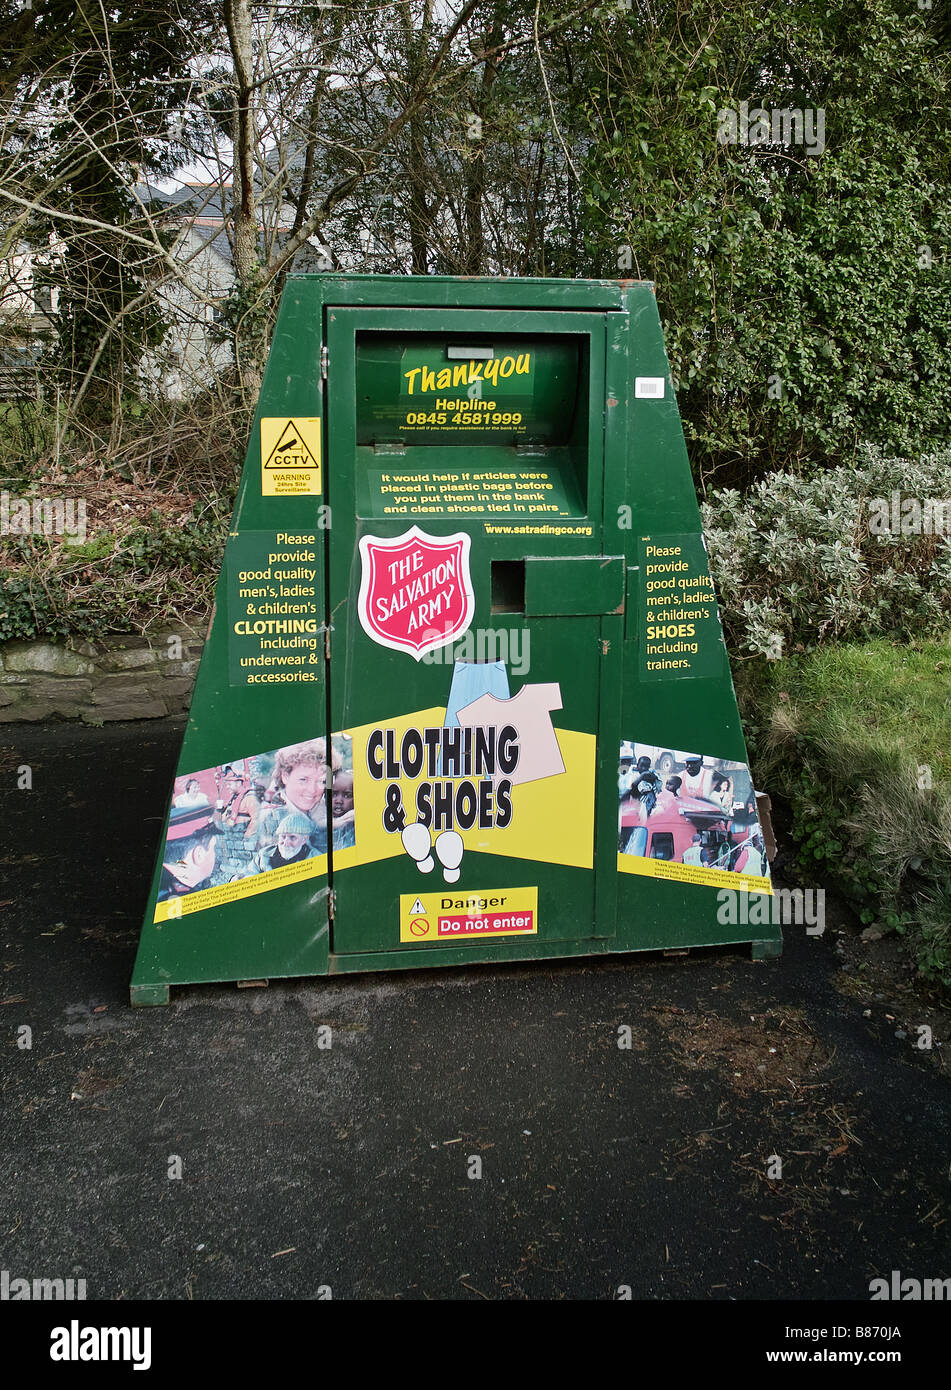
{"points": [[416, 590]]}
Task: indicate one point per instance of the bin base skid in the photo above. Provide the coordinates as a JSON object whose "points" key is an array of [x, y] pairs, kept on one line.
{"points": [[378, 962], [142, 995], [383, 961]]}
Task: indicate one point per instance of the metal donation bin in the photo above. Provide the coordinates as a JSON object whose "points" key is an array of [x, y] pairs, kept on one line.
{"points": [[465, 695]]}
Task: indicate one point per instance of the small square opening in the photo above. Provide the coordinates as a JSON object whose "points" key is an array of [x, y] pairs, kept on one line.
{"points": [[508, 586]]}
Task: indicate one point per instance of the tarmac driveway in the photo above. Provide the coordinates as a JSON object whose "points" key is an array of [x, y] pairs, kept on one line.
{"points": [[356, 1166]]}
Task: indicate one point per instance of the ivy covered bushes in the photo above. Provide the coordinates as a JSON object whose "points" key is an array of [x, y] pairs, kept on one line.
{"points": [[835, 592], [135, 515], [804, 295], [152, 574]]}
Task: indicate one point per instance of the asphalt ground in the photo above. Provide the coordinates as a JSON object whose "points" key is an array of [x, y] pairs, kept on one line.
{"points": [[351, 1169]]}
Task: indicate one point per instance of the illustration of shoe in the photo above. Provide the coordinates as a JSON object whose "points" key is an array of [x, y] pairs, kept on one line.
{"points": [[449, 849], [418, 843]]}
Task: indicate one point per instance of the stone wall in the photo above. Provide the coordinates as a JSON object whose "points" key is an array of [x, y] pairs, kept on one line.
{"points": [[124, 677]]}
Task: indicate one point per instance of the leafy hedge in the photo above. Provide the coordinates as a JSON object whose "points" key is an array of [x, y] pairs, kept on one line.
{"points": [[805, 297]]}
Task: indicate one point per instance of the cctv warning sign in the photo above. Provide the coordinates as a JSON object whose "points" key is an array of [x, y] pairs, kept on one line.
{"points": [[290, 457], [461, 918]]}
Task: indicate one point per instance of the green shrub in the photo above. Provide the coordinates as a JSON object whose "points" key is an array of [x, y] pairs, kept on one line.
{"points": [[805, 300], [27, 433], [157, 482], [797, 561], [858, 739]]}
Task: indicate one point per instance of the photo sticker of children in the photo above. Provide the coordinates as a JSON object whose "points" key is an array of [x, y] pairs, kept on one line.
{"points": [[688, 808], [342, 808], [299, 784], [252, 815]]}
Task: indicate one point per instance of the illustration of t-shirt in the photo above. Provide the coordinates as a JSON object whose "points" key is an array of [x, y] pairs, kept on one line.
{"points": [[529, 713]]}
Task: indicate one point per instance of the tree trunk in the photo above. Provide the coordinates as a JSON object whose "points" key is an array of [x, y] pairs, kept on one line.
{"points": [[249, 343], [416, 62], [474, 253]]}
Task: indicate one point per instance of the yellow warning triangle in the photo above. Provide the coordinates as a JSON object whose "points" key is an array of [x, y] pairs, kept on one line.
{"points": [[417, 907], [291, 450]]}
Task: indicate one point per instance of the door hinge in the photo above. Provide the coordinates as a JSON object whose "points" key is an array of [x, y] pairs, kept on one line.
{"points": [[324, 359]]}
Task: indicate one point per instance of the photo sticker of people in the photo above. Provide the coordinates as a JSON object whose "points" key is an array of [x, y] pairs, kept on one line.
{"points": [[258, 814], [688, 808]]}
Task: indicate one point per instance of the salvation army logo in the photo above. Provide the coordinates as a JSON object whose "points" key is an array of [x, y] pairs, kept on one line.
{"points": [[415, 591]]}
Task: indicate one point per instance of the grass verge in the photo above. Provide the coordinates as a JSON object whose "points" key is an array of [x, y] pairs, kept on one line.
{"points": [[857, 738]]}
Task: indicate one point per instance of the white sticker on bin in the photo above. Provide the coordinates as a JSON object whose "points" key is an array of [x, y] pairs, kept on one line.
{"points": [[649, 387]]}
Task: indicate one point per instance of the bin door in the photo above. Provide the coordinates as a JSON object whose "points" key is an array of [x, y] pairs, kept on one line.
{"points": [[471, 609]]}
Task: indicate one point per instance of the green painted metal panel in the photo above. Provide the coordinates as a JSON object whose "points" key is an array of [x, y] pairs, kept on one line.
{"points": [[476, 292], [652, 496], [231, 726], [574, 584]]}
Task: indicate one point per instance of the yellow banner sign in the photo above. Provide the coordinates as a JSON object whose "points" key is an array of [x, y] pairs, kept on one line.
{"points": [[458, 919], [171, 909], [690, 873]]}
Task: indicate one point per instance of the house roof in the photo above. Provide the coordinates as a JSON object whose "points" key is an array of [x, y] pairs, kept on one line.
{"points": [[203, 206]]}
